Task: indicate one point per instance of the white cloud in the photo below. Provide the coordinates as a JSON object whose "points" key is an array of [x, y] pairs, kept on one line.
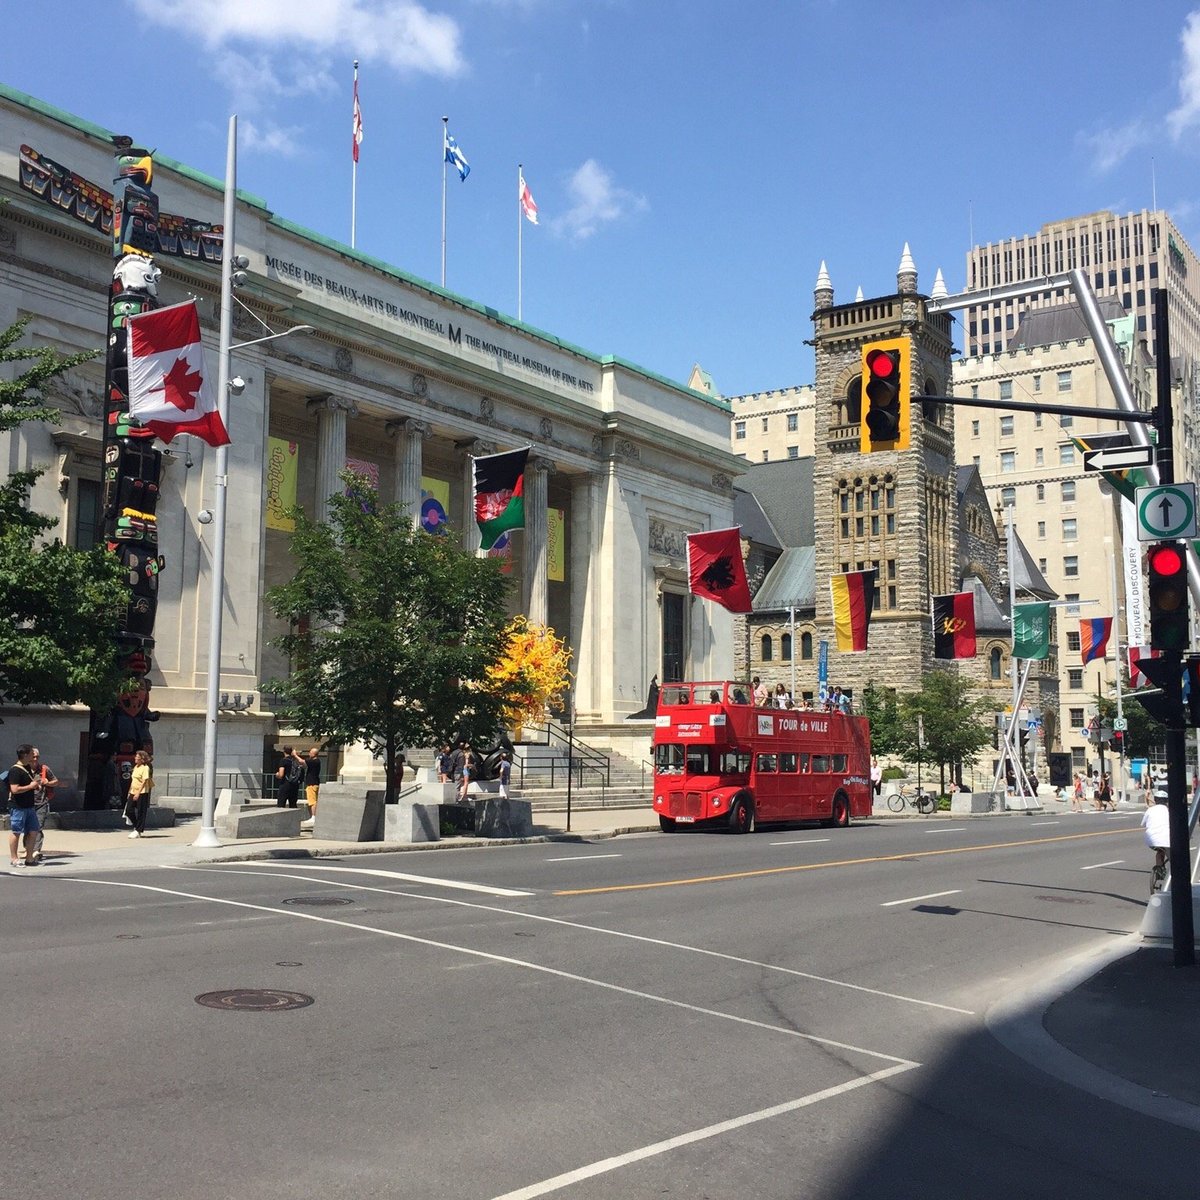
{"points": [[398, 33], [1187, 114], [1108, 148], [595, 201], [270, 138]]}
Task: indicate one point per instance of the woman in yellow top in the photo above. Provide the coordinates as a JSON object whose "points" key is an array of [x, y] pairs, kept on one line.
{"points": [[140, 786]]}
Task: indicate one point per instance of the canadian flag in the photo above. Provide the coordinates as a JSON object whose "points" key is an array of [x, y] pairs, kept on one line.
{"points": [[168, 392]]}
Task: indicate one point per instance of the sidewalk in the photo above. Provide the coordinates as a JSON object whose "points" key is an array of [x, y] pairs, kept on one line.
{"points": [[1120, 1022]]}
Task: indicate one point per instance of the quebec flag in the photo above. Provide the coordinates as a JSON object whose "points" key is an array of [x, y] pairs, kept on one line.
{"points": [[455, 157]]}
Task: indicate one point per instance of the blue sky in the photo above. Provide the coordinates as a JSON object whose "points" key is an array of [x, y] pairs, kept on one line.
{"points": [[693, 160]]}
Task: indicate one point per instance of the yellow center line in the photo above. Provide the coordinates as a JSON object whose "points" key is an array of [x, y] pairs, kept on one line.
{"points": [[846, 862]]}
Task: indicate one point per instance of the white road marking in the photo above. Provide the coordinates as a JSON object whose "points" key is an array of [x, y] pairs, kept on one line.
{"points": [[914, 899], [487, 956], [617, 1161], [429, 879], [582, 857], [620, 933], [1116, 862], [952, 829], [1035, 824], [800, 842]]}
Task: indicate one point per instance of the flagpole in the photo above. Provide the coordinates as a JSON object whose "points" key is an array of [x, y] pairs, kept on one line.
{"points": [[1116, 633], [208, 831], [354, 164], [445, 136], [520, 239]]}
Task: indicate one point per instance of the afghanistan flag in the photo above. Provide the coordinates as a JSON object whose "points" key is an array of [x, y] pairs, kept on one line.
{"points": [[1093, 637], [1124, 483], [716, 569], [954, 625], [853, 598], [1031, 631], [499, 494]]}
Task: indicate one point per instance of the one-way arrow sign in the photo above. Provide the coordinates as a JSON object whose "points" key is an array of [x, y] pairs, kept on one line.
{"points": [[1118, 458]]}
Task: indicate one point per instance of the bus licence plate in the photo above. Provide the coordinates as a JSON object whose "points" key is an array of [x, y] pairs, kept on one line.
{"points": [[686, 820]]}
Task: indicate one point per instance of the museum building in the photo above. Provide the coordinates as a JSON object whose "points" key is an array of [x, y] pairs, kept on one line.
{"points": [[398, 380]]}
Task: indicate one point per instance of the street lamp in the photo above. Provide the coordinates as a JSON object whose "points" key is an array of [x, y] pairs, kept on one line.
{"points": [[225, 386]]}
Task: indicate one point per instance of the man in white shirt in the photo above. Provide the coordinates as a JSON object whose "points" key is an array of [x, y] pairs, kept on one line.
{"points": [[1156, 821]]}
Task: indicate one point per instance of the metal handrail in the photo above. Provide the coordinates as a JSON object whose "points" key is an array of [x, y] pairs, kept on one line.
{"points": [[583, 757]]}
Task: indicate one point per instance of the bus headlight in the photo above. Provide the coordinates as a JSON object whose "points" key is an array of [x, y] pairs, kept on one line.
{"points": [[658, 802], [716, 802]]}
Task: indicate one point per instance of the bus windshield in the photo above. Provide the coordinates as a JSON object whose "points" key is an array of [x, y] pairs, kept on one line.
{"points": [[670, 758]]}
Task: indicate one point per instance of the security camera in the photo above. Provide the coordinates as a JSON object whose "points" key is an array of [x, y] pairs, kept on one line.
{"points": [[204, 517], [237, 385]]}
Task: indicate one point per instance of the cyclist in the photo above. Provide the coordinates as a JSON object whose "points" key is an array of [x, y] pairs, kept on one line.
{"points": [[1157, 824]]}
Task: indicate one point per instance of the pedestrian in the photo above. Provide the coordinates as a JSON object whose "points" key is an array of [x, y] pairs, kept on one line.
{"points": [[762, 694], [470, 769], [504, 774], [441, 764], [22, 813], [47, 781], [876, 776], [289, 773], [457, 759], [1077, 794], [1104, 795], [141, 783], [312, 779]]}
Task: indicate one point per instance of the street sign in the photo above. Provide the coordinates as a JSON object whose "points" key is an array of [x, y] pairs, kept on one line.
{"points": [[1166, 512], [1118, 458], [1120, 724]]}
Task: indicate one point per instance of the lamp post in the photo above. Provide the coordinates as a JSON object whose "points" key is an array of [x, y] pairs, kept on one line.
{"points": [[207, 836]]}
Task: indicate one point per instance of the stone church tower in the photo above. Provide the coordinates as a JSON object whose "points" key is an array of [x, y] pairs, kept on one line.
{"points": [[892, 510]]}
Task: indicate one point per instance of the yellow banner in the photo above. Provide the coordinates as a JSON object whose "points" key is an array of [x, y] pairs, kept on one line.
{"points": [[435, 503], [282, 462], [556, 545]]}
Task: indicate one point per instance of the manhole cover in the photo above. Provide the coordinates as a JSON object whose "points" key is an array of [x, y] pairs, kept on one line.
{"points": [[1064, 899], [319, 901], [254, 1000]]}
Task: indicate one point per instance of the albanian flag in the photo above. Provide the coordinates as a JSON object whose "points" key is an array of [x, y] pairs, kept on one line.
{"points": [[1093, 637], [954, 625], [499, 494], [853, 598], [716, 570]]}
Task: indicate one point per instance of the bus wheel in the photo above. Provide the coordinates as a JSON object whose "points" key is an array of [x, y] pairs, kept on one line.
{"points": [[741, 817], [841, 811], [666, 824]]}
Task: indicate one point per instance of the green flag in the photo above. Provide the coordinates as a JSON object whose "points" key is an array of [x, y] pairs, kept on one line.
{"points": [[1031, 631]]}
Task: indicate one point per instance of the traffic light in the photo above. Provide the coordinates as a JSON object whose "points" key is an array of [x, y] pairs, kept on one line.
{"points": [[886, 384], [1166, 568]]}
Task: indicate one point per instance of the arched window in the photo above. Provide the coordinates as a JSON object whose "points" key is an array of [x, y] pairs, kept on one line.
{"points": [[767, 648], [806, 645], [785, 647], [994, 662], [853, 402]]}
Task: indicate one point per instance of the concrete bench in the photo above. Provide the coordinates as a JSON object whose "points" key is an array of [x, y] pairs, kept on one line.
{"points": [[260, 821]]}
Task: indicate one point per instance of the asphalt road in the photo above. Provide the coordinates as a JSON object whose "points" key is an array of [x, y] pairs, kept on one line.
{"points": [[798, 1013]]}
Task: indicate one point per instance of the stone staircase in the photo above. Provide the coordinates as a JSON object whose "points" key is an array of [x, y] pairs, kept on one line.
{"points": [[539, 776]]}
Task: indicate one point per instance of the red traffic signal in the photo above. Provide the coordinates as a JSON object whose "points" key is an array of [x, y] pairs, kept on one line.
{"points": [[886, 383], [1167, 588]]}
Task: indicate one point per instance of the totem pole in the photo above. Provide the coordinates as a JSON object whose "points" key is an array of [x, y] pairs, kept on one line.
{"points": [[131, 476]]}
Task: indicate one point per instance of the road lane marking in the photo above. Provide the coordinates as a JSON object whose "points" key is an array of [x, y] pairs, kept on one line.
{"points": [[1116, 862], [617, 1161], [801, 842], [914, 899], [426, 879], [825, 866], [952, 829], [618, 933], [506, 960], [581, 857], [1037, 824]]}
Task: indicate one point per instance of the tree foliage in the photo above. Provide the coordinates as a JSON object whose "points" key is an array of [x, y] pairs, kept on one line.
{"points": [[534, 667], [392, 632], [956, 726], [60, 608], [881, 708]]}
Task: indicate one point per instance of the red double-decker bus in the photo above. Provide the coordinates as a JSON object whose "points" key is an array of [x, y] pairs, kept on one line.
{"points": [[720, 759]]}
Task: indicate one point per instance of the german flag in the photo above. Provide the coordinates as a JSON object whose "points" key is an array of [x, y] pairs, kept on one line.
{"points": [[954, 625], [853, 597]]}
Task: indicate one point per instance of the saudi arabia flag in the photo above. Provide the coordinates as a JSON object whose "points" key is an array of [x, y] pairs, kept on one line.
{"points": [[499, 494]]}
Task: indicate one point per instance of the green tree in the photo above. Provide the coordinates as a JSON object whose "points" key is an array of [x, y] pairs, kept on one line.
{"points": [[956, 726], [392, 631], [882, 710], [60, 608]]}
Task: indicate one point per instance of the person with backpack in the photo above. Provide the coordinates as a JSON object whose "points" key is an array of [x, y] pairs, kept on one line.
{"points": [[22, 815], [290, 774]]}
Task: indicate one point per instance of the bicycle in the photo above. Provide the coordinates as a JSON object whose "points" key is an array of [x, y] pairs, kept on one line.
{"points": [[924, 802], [1158, 872]]}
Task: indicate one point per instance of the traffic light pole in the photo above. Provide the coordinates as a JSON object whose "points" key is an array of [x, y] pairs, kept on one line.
{"points": [[1183, 938]]}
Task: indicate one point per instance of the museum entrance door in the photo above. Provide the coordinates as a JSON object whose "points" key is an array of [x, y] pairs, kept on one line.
{"points": [[673, 648]]}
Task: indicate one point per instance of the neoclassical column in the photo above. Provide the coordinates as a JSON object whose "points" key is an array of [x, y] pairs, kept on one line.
{"points": [[332, 413], [475, 448], [583, 542], [537, 478], [410, 434]]}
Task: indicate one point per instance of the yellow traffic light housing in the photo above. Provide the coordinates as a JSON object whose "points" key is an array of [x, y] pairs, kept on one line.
{"points": [[886, 395]]}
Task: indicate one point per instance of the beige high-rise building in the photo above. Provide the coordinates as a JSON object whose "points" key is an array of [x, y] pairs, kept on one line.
{"points": [[1126, 257]]}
